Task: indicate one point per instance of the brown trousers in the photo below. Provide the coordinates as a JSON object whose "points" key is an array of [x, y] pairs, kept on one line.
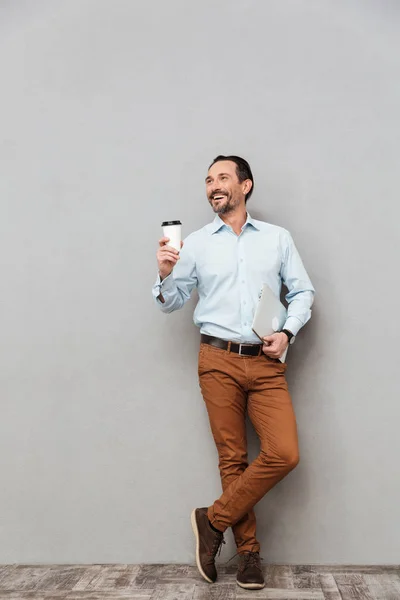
{"points": [[230, 383]]}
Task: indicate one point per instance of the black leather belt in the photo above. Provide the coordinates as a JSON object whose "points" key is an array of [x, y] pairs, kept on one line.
{"points": [[242, 349]]}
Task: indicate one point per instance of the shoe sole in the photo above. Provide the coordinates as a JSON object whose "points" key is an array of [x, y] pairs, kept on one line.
{"points": [[251, 586], [196, 534]]}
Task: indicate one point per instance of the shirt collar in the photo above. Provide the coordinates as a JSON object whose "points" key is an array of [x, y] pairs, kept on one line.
{"points": [[218, 223]]}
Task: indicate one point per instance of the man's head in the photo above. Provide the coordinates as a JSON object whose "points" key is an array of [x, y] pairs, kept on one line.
{"points": [[229, 182]]}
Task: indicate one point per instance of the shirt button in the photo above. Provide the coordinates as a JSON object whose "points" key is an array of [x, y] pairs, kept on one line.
{"points": [[244, 301], [241, 260], [242, 280]]}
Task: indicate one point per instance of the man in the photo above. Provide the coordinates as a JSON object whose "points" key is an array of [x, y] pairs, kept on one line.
{"points": [[228, 261]]}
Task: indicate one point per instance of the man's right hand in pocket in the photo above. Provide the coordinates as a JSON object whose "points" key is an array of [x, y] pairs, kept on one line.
{"points": [[167, 257]]}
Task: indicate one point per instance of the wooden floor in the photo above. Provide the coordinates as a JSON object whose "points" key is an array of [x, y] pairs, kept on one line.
{"points": [[183, 582]]}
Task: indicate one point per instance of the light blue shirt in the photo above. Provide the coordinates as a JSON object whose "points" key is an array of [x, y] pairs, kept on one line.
{"points": [[229, 271]]}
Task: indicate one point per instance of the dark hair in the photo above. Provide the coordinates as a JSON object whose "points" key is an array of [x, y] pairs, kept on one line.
{"points": [[243, 170]]}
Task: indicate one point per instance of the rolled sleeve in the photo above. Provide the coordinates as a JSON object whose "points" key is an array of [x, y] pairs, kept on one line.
{"points": [[300, 296], [172, 292]]}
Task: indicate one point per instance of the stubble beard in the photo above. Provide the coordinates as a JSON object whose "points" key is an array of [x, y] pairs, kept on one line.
{"points": [[223, 209]]}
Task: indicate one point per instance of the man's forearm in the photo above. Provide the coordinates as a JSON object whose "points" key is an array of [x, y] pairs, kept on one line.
{"points": [[173, 289], [299, 310], [167, 295]]}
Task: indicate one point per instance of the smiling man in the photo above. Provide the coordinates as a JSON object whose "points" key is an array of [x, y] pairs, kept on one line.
{"points": [[228, 261]]}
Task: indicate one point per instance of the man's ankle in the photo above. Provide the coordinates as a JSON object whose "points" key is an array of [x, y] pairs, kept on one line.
{"points": [[214, 528]]}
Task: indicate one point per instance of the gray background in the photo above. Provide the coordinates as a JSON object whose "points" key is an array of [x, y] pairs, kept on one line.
{"points": [[110, 113]]}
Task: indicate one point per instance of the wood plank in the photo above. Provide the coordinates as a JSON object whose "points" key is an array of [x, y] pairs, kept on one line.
{"points": [[4, 568], [335, 568], [165, 572], [352, 586], [33, 595], [87, 575], [173, 591], [329, 587], [91, 578], [61, 577], [269, 593], [6, 571], [306, 578], [391, 569], [110, 595], [108, 578], [23, 577], [146, 585], [279, 576], [215, 591], [354, 592], [127, 578], [383, 587], [347, 568]]}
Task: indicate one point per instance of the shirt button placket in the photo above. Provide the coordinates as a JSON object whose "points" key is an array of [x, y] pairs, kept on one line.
{"points": [[242, 287]]}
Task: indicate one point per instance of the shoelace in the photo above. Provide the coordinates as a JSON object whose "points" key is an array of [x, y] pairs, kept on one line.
{"points": [[249, 557], [217, 543]]}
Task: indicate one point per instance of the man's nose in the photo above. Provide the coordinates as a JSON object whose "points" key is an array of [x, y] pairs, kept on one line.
{"points": [[214, 189]]}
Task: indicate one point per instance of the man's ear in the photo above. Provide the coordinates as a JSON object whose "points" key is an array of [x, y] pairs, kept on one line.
{"points": [[248, 184]]}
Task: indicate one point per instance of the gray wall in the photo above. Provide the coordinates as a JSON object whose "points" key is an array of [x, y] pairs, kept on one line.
{"points": [[110, 112]]}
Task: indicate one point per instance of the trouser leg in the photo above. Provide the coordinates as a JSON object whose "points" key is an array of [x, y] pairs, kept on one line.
{"points": [[270, 409], [226, 400]]}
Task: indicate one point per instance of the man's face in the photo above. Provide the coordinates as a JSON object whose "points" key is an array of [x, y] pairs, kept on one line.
{"points": [[224, 191]]}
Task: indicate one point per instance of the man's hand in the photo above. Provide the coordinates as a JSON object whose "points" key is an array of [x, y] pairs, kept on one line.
{"points": [[167, 257], [275, 344]]}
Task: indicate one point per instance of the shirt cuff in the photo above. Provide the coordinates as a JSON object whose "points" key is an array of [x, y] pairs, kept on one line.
{"points": [[166, 284], [293, 324]]}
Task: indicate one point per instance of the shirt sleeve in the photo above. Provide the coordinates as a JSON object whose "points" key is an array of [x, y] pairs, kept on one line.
{"points": [[172, 292], [301, 292]]}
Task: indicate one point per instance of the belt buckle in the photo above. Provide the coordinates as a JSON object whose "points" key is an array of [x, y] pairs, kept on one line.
{"points": [[240, 349]]}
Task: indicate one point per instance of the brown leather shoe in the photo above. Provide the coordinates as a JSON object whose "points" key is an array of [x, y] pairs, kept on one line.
{"points": [[249, 573], [207, 543]]}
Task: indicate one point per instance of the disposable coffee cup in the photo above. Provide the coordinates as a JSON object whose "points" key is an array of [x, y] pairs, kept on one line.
{"points": [[173, 231]]}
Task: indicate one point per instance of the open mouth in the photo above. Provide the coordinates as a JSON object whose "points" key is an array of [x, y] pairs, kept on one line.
{"points": [[219, 197]]}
